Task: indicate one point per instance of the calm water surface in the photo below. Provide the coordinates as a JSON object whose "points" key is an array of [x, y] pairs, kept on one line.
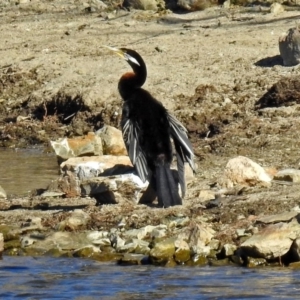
{"points": [[70, 278], [23, 170]]}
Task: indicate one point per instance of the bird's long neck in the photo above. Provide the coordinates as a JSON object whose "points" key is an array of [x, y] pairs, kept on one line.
{"points": [[132, 81]]}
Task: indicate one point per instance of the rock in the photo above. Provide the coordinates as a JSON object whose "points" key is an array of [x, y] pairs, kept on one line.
{"points": [[3, 194], [77, 220], [163, 251], [283, 217], [179, 222], [271, 242], [147, 231], [199, 260], [64, 241], [1, 244], [240, 232], [28, 240], [116, 241], [256, 262], [214, 244], [198, 238], [276, 8], [289, 47], [52, 194], [206, 195], [87, 252], [144, 4], [93, 166], [192, 5], [226, 4], [244, 171], [182, 251], [128, 184], [229, 249], [76, 173], [79, 178], [69, 184], [95, 236], [135, 246], [87, 145], [134, 259], [112, 140], [291, 175]]}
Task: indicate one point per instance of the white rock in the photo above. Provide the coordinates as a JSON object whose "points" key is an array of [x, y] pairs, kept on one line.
{"points": [[276, 8], [93, 166], [244, 171]]}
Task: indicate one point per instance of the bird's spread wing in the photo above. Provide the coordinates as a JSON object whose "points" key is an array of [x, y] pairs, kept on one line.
{"points": [[136, 155], [184, 149]]}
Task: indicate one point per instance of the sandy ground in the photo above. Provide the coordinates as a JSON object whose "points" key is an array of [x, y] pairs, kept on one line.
{"points": [[209, 68]]}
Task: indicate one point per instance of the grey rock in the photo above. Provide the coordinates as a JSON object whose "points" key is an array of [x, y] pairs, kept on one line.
{"points": [[289, 47], [133, 258], [136, 246], [147, 231], [64, 241], [283, 217], [179, 222]]}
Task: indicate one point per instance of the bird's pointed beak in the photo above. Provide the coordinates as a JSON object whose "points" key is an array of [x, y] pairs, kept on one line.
{"points": [[117, 51], [123, 54]]}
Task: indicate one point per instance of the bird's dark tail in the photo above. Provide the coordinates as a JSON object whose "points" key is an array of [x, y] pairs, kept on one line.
{"points": [[166, 187]]}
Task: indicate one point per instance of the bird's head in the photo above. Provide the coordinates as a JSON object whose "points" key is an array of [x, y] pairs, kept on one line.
{"points": [[131, 56], [135, 61]]}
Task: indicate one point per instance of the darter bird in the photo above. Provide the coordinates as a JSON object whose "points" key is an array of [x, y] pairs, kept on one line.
{"points": [[147, 129]]}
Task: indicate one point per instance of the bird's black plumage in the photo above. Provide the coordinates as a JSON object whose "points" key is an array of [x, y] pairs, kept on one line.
{"points": [[147, 131]]}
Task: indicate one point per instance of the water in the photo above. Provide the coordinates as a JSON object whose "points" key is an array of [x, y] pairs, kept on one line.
{"points": [[71, 278], [23, 170]]}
